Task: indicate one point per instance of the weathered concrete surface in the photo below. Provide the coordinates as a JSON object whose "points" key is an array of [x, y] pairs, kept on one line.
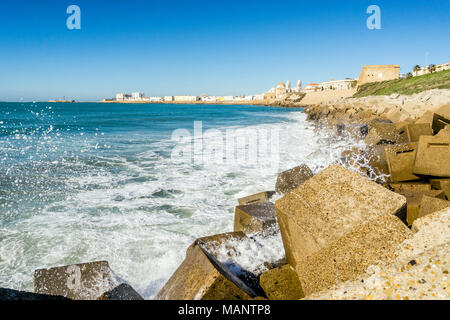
{"points": [[255, 217], [414, 131], [400, 160], [383, 133], [290, 179], [441, 118], [255, 198], [10, 294], [121, 292], [201, 277], [327, 207], [410, 186], [372, 242], [429, 205], [433, 156], [444, 132], [85, 281], [281, 283], [419, 270], [414, 198]]}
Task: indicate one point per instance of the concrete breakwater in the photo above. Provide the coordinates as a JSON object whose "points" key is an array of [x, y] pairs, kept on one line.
{"points": [[380, 215]]}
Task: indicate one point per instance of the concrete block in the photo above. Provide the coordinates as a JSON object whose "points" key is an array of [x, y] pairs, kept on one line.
{"points": [[400, 160], [377, 159], [121, 292], [85, 281], [444, 132], [439, 184], [383, 133], [433, 157], [255, 217], [441, 118], [370, 243], [292, 178], [14, 295], [429, 205], [414, 131], [410, 186], [427, 117], [255, 198], [413, 200], [328, 206], [281, 283], [202, 277]]}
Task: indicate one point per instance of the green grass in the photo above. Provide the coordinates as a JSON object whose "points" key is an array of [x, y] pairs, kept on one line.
{"points": [[436, 80]]}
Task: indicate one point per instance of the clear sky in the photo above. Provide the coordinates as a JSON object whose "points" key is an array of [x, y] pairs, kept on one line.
{"points": [[213, 47]]}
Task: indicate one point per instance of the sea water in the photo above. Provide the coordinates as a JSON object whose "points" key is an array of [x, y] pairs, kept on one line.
{"points": [[82, 182]]}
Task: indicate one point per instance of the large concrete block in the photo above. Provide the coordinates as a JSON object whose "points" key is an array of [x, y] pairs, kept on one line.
{"points": [[292, 178], [400, 159], [121, 292], [414, 198], [433, 156], [327, 207], [427, 117], [202, 277], [255, 217], [439, 184], [281, 283], [85, 281], [414, 131], [441, 118], [383, 133], [10, 294], [429, 205], [444, 132], [410, 186], [255, 198], [372, 242]]}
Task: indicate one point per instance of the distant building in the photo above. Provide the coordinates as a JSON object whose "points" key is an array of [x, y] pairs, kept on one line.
{"points": [[311, 87], [426, 70], [168, 98], [377, 73], [186, 98], [346, 84], [123, 96], [137, 96]]}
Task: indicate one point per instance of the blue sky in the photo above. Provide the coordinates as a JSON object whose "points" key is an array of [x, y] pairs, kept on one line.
{"points": [[211, 47]]}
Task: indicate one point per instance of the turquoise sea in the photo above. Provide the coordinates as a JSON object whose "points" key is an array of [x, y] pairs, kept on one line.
{"points": [[90, 181]]}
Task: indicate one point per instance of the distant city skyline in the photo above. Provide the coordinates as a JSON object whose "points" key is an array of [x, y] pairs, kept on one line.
{"points": [[206, 47]]}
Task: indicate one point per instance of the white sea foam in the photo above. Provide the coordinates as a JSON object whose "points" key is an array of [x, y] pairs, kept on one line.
{"points": [[143, 218]]}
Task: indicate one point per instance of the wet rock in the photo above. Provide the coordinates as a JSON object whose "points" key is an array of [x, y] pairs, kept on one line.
{"points": [[429, 205], [255, 217], [327, 207], [85, 281], [202, 277], [10, 294], [371, 242], [377, 160], [400, 160], [433, 156], [121, 292], [292, 178], [281, 283], [255, 198]]}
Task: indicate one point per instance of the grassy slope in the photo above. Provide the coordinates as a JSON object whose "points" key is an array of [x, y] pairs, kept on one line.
{"points": [[437, 80]]}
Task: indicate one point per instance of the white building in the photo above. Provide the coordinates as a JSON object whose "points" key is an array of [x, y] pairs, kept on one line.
{"points": [[186, 98], [137, 96], [346, 84], [208, 99], [123, 96], [426, 70], [168, 98]]}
